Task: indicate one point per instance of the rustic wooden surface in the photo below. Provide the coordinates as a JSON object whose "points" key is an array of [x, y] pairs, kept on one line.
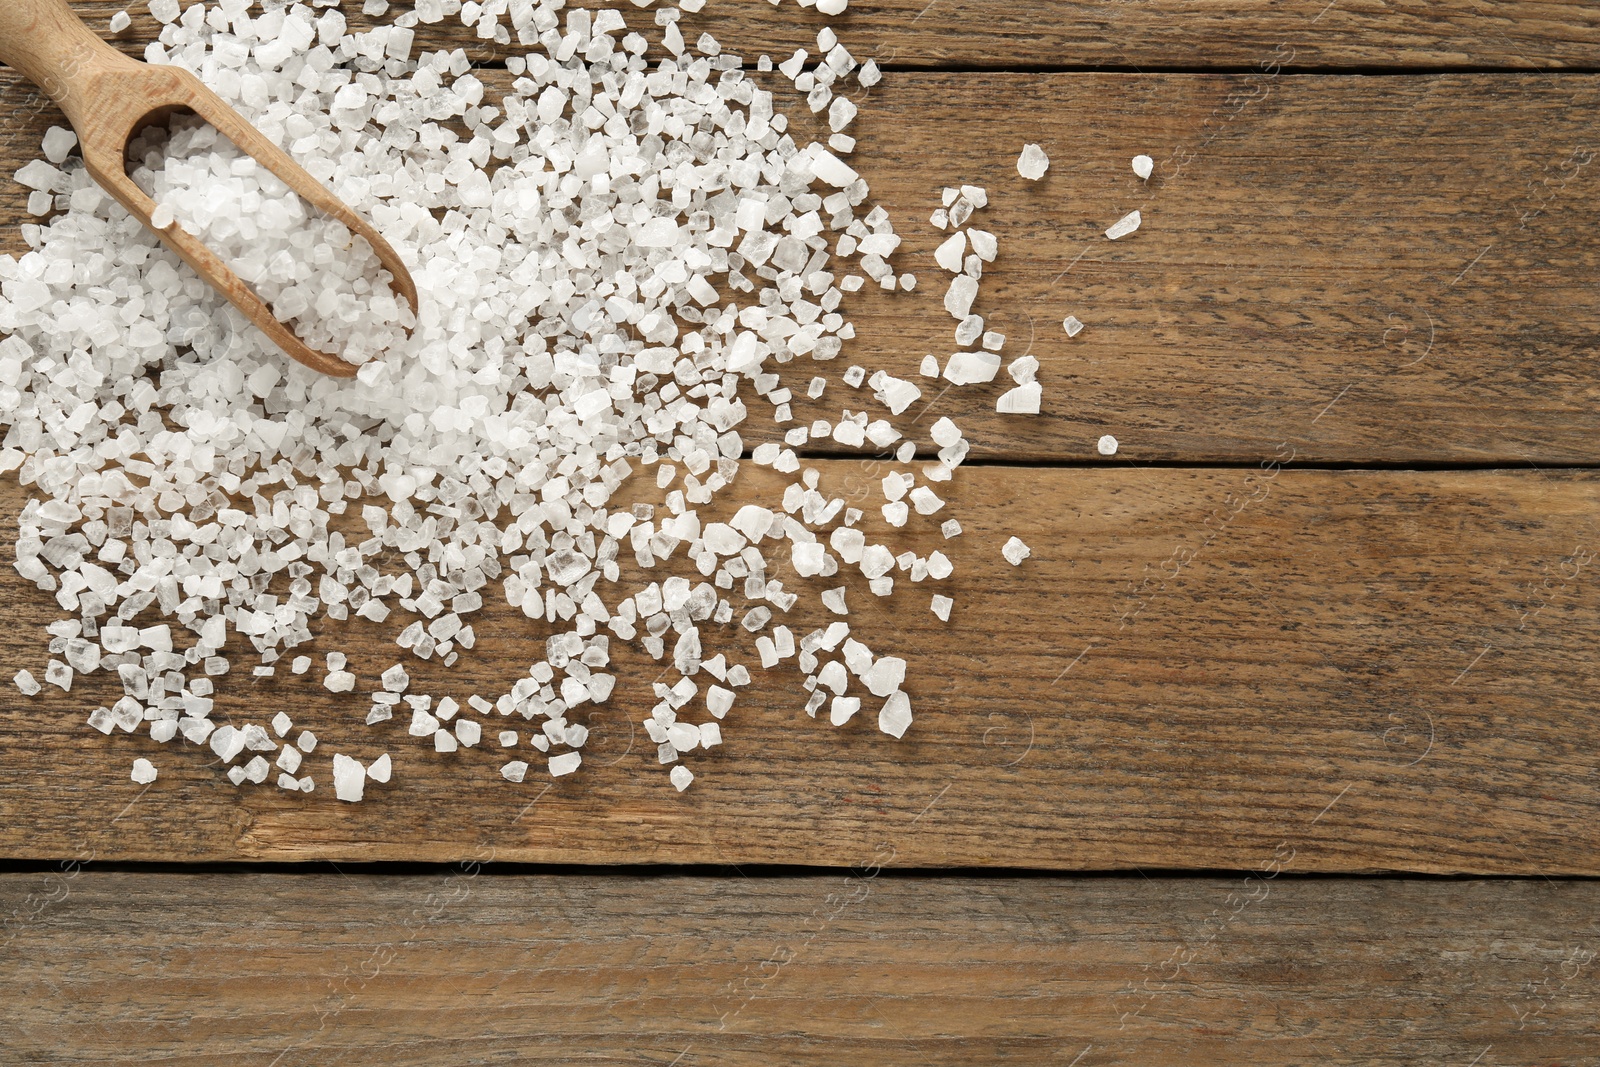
{"points": [[855, 968], [1385, 293], [1087, 34], [1305, 672], [1385, 669]]}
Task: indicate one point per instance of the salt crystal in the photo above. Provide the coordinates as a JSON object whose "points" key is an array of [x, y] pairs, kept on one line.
{"points": [[930, 366], [281, 723], [26, 684], [59, 142], [515, 771], [565, 763], [950, 254], [119, 22], [1124, 226], [941, 606], [340, 682], [1107, 445], [681, 776], [1015, 551], [144, 772], [843, 709], [380, 769], [969, 368], [1032, 163], [895, 717], [958, 301], [1023, 400], [349, 778], [1143, 166]]}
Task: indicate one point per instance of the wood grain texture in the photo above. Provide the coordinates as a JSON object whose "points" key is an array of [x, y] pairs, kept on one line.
{"points": [[1378, 670], [466, 968], [1332, 264], [1081, 34]]}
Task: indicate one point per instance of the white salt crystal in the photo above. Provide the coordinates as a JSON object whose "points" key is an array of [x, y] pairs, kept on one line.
{"points": [[1107, 445], [307, 742], [941, 606], [349, 778], [516, 770], [930, 366], [469, 733], [301, 664], [1032, 163], [950, 528], [144, 772], [1015, 551], [925, 500], [984, 244], [681, 776], [1023, 400], [59, 142], [958, 300], [719, 700], [895, 717], [950, 254], [165, 11], [843, 709], [281, 723], [381, 769], [340, 682], [1143, 166], [161, 218], [565, 763], [1124, 226], [970, 368], [1072, 325], [119, 22], [26, 684]]}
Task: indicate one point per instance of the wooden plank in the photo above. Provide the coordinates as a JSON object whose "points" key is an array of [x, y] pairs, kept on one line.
{"points": [[1379, 670], [1330, 264], [1086, 34], [459, 967]]}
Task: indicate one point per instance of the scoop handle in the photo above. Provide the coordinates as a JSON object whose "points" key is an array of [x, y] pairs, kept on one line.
{"points": [[52, 47]]}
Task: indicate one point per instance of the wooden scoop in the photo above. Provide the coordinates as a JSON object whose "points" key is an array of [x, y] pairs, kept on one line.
{"points": [[108, 98]]}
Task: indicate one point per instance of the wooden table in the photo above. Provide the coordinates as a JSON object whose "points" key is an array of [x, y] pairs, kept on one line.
{"points": [[1281, 749]]}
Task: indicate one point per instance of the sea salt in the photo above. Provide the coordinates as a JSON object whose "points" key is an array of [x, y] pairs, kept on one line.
{"points": [[1015, 551], [1124, 226], [1032, 163], [1107, 445], [1143, 166]]}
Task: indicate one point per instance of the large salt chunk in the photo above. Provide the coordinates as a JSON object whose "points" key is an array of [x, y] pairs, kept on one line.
{"points": [[144, 772], [970, 368], [1125, 225], [349, 778], [885, 675], [895, 717], [565, 763], [1015, 551], [831, 169], [1032, 163], [952, 253], [1143, 166], [1023, 400], [963, 291]]}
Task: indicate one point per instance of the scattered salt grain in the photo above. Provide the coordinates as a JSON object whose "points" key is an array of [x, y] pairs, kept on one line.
{"points": [[1124, 226], [1143, 166], [565, 763], [895, 716], [349, 778], [25, 683], [144, 772], [941, 606], [120, 21], [1072, 325], [681, 776], [1033, 162], [340, 682], [515, 771], [381, 769], [1107, 445], [1015, 551]]}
